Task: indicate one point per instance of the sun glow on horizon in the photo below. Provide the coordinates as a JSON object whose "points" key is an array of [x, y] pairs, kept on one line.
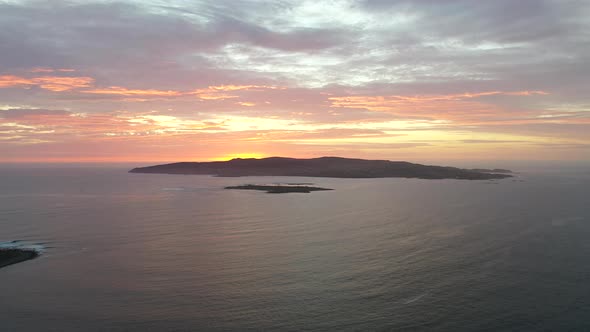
{"points": [[244, 155]]}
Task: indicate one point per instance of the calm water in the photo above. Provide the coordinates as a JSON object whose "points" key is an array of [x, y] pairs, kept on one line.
{"points": [[139, 252]]}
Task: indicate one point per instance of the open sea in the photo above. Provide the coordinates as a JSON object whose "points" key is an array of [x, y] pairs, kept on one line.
{"points": [[146, 252]]}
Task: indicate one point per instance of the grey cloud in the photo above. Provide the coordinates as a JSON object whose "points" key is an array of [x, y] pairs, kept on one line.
{"points": [[134, 44], [20, 113], [47, 33], [540, 45], [537, 44], [498, 20]]}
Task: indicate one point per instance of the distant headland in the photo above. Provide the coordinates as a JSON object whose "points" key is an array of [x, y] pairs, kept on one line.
{"points": [[331, 167]]}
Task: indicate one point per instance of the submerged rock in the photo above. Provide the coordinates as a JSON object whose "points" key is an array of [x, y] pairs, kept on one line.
{"points": [[279, 189], [9, 256]]}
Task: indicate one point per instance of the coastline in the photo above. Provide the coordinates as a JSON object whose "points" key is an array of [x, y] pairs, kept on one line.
{"points": [[9, 256]]}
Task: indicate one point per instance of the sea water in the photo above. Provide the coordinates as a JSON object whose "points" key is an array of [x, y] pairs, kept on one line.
{"points": [[147, 252]]}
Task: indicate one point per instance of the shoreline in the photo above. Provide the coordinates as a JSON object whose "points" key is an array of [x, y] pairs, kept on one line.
{"points": [[9, 256]]}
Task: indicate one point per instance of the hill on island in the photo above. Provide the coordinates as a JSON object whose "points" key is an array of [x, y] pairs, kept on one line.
{"points": [[332, 167]]}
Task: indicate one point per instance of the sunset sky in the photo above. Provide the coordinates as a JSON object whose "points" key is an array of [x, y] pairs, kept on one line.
{"points": [[417, 80]]}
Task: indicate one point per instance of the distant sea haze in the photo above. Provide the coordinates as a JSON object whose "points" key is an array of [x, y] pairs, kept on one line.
{"points": [[158, 252]]}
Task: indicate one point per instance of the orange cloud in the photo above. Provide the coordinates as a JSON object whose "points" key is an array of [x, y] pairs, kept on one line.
{"points": [[121, 91], [56, 83], [220, 92], [449, 107], [51, 83], [41, 126], [243, 87], [384, 103], [11, 80], [67, 83], [247, 104]]}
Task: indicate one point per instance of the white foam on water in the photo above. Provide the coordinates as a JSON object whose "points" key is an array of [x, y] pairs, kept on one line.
{"points": [[415, 298], [17, 244]]}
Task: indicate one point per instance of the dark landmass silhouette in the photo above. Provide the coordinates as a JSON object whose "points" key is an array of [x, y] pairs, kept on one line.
{"points": [[9, 256], [332, 167], [278, 189]]}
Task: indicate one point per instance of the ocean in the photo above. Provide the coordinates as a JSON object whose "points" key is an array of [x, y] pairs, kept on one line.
{"points": [[147, 252]]}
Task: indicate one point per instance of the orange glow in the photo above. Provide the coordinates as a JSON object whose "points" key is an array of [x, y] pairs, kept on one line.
{"points": [[214, 96], [66, 83], [243, 87], [247, 104], [55, 83], [51, 83], [7, 81], [382, 103], [219, 92], [314, 123], [241, 156], [457, 107], [120, 91], [211, 93]]}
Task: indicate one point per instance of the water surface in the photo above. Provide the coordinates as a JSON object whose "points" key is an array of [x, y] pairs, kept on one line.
{"points": [[134, 252]]}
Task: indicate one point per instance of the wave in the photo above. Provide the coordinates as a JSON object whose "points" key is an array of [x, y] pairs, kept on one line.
{"points": [[415, 298], [18, 244]]}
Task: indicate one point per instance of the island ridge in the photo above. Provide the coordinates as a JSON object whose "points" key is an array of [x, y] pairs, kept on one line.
{"points": [[332, 167]]}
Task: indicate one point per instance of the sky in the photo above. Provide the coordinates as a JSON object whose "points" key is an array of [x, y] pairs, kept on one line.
{"points": [[416, 80]]}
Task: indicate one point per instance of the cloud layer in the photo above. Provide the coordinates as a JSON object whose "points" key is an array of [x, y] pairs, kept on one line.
{"points": [[169, 80]]}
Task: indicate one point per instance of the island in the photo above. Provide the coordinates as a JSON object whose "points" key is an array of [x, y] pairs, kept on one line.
{"points": [[332, 167], [9, 256], [279, 189]]}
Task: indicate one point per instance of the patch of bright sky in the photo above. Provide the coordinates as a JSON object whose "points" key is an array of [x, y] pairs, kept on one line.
{"points": [[319, 14], [459, 44], [573, 108], [437, 137], [338, 13], [7, 107], [244, 123], [303, 68], [16, 125], [284, 15], [318, 70]]}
